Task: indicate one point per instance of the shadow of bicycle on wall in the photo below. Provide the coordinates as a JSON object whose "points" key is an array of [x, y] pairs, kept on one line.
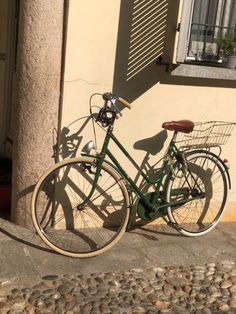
{"points": [[62, 194], [68, 142], [70, 145]]}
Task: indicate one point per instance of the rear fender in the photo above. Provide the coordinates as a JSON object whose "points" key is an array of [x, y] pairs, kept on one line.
{"points": [[224, 166]]}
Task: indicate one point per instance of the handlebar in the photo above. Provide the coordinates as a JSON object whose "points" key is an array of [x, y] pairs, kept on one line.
{"points": [[113, 98], [109, 112], [124, 102]]}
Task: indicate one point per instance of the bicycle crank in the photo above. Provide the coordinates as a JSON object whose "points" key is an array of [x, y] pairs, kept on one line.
{"points": [[145, 213]]}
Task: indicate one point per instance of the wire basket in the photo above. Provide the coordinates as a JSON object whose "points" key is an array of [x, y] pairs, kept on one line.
{"points": [[206, 134]]}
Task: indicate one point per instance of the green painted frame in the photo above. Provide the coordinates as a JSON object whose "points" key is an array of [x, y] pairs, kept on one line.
{"points": [[172, 151]]}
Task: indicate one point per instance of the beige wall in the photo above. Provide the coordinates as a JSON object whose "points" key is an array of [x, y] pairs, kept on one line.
{"points": [[94, 52]]}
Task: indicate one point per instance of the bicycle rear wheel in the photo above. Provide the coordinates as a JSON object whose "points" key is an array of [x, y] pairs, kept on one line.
{"points": [[69, 229], [204, 188]]}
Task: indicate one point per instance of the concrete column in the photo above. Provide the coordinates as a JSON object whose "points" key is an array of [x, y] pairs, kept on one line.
{"points": [[37, 98]]}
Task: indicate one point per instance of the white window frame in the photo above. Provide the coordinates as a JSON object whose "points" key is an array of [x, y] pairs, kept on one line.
{"points": [[184, 35], [186, 18]]}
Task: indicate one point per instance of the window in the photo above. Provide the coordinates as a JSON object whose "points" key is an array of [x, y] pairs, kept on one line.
{"points": [[203, 21]]}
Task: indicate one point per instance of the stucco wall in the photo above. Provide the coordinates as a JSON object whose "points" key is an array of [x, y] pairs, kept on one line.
{"points": [[95, 62]]}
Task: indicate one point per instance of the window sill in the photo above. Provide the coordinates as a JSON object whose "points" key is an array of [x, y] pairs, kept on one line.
{"points": [[200, 71]]}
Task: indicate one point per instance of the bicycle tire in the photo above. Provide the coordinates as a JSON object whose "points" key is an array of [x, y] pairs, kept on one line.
{"points": [[198, 216], [70, 230]]}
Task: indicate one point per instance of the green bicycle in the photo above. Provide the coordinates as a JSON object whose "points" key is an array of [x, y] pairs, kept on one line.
{"points": [[82, 206]]}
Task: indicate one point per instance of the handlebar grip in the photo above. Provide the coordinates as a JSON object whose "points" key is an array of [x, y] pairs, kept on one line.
{"points": [[124, 102]]}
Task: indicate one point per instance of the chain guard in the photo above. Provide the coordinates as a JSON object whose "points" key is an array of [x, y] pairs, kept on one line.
{"points": [[146, 214]]}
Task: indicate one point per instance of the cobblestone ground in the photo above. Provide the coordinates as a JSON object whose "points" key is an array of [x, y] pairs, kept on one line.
{"points": [[210, 288]]}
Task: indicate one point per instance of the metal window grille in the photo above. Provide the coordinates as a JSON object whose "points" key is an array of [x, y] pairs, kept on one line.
{"points": [[209, 19]]}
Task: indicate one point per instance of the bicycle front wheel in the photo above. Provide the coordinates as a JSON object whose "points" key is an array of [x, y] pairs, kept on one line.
{"points": [[203, 191], [63, 224]]}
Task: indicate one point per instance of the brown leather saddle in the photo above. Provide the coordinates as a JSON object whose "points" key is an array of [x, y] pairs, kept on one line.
{"points": [[185, 126]]}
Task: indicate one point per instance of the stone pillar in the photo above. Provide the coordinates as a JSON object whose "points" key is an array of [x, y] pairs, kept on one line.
{"points": [[37, 98]]}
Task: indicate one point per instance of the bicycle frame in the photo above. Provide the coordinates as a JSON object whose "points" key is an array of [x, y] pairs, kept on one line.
{"points": [[172, 151]]}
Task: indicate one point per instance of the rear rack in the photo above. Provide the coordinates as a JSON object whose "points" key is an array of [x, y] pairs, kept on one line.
{"points": [[206, 134]]}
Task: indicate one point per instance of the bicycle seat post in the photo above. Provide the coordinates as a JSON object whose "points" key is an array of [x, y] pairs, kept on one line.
{"points": [[174, 137]]}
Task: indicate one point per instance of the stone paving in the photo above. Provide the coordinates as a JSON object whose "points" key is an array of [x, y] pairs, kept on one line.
{"points": [[206, 289], [150, 270]]}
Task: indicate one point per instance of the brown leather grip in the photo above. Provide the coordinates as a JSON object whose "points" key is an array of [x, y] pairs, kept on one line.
{"points": [[124, 102]]}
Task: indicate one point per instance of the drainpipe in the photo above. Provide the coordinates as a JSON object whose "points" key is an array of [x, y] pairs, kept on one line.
{"points": [[63, 61]]}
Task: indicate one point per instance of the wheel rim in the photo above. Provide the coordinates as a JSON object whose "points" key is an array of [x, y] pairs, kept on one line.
{"points": [[200, 214], [69, 229]]}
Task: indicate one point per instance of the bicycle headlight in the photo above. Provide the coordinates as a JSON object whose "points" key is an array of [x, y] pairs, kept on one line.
{"points": [[88, 147]]}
